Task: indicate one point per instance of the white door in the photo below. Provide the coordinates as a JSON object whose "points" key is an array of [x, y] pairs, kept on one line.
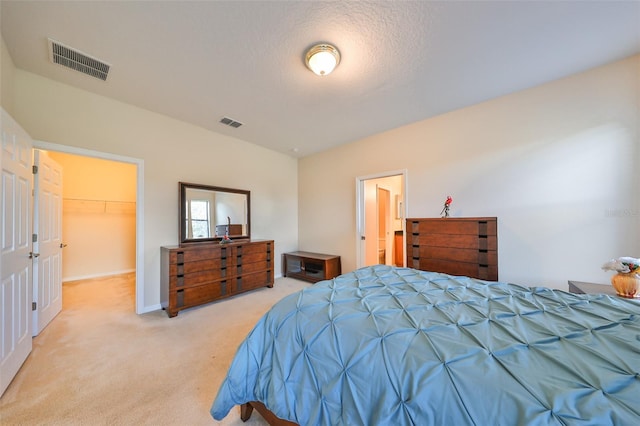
{"points": [[15, 262], [383, 200], [47, 241], [370, 225]]}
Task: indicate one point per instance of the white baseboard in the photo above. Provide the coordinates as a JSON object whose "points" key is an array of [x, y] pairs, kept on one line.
{"points": [[100, 275], [151, 308]]}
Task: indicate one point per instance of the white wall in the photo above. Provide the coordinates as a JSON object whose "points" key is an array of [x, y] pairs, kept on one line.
{"points": [[557, 164], [172, 151], [7, 71]]}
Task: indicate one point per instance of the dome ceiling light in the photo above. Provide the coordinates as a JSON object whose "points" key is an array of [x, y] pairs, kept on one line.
{"points": [[322, 59]]}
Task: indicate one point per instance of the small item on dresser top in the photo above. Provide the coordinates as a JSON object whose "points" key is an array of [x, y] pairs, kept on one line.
{"points": [[447, 204], [626, 281]]}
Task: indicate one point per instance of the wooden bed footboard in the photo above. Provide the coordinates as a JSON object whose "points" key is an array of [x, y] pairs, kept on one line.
{"points": [[247, 408]]}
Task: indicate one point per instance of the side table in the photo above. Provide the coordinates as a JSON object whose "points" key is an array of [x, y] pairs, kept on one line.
{"points": [[580, 287], [312, 267]]}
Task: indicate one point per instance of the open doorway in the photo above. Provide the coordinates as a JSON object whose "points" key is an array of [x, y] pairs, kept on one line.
{"points": [[381, 201], [120, 209], [98, 216]]}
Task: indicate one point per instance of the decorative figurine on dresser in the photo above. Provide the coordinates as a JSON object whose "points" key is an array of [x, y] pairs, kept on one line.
{"points": [[216, 257]]}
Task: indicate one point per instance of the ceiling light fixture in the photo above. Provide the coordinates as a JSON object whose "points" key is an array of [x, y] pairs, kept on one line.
{"points": [[322, 59]]}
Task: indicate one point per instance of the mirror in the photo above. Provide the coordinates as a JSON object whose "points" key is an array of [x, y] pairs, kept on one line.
{"points": [[208, 213]]}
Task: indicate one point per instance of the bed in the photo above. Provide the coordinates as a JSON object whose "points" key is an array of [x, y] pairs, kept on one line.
{"points": [[396, 346]]}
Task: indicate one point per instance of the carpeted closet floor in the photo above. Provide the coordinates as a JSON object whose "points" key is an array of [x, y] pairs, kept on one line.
{"points": [[98, 363]]}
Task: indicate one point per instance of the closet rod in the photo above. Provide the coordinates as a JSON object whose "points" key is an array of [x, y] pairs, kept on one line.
{"points": [[98, 201]]}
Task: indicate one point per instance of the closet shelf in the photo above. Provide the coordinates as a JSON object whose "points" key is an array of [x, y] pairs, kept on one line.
{"points": [[79, 205]]}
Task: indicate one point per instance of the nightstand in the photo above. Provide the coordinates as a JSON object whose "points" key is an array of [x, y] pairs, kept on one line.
{"points": [[580, 287]]}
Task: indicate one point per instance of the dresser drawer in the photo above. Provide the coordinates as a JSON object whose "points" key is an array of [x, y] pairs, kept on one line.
{"points": [[254, 253], [459, 255], [254, 280], [252, 258], [198, 278], [253, 249], [192, 254], [473, 270], [247, 268], [454, 227], [198, 295], [489, 242], [199, 266]]}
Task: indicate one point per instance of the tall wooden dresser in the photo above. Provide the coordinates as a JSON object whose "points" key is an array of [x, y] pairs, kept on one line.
{"points": [[199, 273], [457, 246]]}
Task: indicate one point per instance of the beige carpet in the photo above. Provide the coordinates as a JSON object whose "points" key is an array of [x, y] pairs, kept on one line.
{"points": [[98, 363]]}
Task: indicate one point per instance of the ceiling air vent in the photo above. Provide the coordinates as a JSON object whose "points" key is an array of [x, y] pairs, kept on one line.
{"points": [[230, 122], [76, 60]]}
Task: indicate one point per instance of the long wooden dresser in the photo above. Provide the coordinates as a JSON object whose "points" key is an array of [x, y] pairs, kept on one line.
{"points": [[195, 274], [457, 246]]}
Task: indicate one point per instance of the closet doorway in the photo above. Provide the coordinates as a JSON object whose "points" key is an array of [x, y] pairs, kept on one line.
{"points": [[101, 215], [381, 203]]}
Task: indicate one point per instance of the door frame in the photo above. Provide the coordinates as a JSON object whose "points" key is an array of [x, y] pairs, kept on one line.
{"points": [[139, 163], [360, 208]]}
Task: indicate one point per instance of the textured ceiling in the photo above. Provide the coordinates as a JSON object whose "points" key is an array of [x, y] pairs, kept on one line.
{"points": [[402, 61]]}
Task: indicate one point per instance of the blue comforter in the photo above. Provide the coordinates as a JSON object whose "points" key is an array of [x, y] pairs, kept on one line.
{"points": [[397, 346]]}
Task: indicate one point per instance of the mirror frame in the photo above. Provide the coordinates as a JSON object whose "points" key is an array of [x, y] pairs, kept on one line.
{"points": [[184, 186]]}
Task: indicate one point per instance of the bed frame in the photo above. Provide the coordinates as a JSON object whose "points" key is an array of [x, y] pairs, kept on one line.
{"points": [[247, 409]]}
